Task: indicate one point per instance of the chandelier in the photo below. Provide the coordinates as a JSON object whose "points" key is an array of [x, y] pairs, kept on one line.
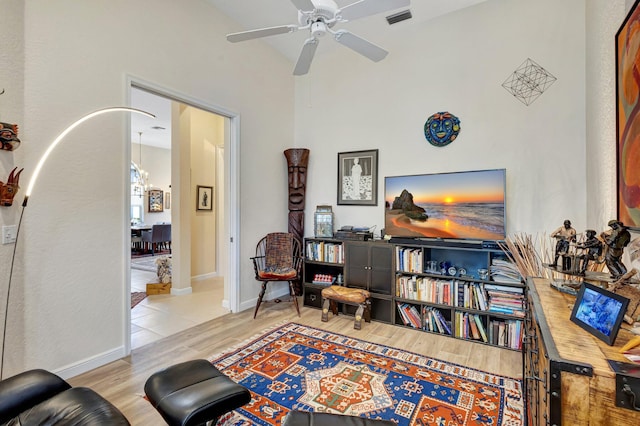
{"points": [[139, 178]]}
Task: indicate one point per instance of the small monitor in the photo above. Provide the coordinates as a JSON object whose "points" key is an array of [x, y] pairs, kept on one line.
{"points": [[599, 311]]}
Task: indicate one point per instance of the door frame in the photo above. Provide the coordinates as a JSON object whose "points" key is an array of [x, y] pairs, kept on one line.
{"points": [[231, 182]]}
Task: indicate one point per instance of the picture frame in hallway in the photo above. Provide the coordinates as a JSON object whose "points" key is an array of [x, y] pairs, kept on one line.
{"points": [[628, 119], [156, 203], [358, 178], [205, 197]]}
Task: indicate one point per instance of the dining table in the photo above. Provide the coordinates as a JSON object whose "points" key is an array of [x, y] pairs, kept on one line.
{"points": [[136, 236]]}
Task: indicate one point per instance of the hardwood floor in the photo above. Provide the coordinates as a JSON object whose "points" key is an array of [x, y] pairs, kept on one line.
{"points": [[122, 381]]}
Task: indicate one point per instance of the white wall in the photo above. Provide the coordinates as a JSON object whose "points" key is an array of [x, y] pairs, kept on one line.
{"points": [[69, 298], [457, 63]]}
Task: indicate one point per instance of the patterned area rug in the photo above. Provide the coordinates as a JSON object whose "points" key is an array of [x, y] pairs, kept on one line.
{"points": [[137, 297], [295, 367]]}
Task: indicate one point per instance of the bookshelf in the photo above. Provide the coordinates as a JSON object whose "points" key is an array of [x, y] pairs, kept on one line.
{"points": [[464, 290], [323, 265]]}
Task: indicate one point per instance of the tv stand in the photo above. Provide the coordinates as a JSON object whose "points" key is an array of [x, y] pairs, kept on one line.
{"points": [[446, 242]]}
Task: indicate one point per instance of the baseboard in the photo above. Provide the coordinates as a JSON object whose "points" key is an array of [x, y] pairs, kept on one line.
{"points": [[281, 292], [204, 276], [91, 363], [181, 291]]}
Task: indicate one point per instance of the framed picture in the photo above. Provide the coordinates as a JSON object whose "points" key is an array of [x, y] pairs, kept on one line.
{"points": [[156, 204], [599, 311], [205, 198], [628, 119], [167, 201], [358, 178]]}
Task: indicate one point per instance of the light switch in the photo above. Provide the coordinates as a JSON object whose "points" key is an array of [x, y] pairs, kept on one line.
{"points": [[9, 234]]}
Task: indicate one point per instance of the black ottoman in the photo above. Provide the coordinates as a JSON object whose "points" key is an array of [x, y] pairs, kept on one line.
{"points": [[193, 393], [303, 418]]}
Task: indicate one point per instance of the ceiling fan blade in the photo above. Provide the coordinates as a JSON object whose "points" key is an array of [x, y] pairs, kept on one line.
{"points": [[363, 8], [360, 45], [262, 32], [305, 5], [306, 56]]}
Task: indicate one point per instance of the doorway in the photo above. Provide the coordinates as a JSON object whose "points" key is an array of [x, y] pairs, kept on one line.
{"points": [[203, 248]]}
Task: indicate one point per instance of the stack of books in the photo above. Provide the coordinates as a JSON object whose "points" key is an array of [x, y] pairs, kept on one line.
{"points": [[505, 299], [504, 271]]}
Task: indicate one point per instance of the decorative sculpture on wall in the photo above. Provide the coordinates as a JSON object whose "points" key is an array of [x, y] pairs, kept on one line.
{"points": [[442, 128], [10, 189], [9, 136], [297, 160], [528, 82]]}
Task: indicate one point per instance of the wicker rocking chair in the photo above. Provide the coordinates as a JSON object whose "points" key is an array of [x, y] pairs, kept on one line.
{"points": [[278, 258]]}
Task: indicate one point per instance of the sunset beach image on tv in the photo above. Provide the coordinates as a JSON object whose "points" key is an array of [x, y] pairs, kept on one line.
{"points": [[460, 205]]}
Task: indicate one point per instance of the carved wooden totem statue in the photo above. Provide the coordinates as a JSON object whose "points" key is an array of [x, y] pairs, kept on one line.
{"points": [[297, 159]]}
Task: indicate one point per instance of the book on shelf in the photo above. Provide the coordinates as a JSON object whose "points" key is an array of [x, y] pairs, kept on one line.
{"points": [[504, 288], [504, 271], [410, 315], [474, 327], [409, 259], [435, 321], [481, 329], [506, 333], [322, 251]]}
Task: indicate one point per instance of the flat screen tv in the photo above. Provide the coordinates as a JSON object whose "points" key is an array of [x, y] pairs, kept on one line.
{"points": [[459, 205]]}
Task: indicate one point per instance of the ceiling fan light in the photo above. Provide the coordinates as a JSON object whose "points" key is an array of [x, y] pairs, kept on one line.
{"points": [[318, 29]]}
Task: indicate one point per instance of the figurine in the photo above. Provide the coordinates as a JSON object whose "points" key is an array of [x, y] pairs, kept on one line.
{"points": [[565, 235], [10, 189], [593, 247], [9, 136], [615, 240]]}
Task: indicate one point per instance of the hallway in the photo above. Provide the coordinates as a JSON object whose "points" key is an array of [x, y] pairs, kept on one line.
{"points": [[162, 315]]}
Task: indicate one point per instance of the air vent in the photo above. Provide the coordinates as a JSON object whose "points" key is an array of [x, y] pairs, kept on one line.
{"points": [[400, 16]]}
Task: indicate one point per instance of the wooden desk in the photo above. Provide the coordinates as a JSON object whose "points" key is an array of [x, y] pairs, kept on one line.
{"points": [[568, 380]]}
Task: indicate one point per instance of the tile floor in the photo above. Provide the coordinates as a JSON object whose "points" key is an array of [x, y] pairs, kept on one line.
{"points": [[162, 315]]}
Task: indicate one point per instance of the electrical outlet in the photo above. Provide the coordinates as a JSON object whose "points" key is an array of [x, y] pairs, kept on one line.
{"points": [[9, 234]]}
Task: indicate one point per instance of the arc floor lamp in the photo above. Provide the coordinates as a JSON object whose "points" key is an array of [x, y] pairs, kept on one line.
{"points": [[30, 187]]}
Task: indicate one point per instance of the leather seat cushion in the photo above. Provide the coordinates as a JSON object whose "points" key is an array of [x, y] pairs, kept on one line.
{"points": [[345, 294], [193, 392], [76, 406], [278, 273]]}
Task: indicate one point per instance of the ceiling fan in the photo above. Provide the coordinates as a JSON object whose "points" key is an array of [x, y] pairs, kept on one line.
{"points": [[319, 17]]}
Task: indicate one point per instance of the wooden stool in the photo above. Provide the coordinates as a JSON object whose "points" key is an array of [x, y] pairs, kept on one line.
{"points": [[349, 296]]}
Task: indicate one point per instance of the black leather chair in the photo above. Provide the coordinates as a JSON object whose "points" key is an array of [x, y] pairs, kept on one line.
{"points": [[38, 397], [190, 393]]}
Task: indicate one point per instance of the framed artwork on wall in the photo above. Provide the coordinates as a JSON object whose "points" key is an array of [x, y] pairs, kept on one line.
{"points": [[628, 118], [156, 203], [205, 198], [358, 178]]}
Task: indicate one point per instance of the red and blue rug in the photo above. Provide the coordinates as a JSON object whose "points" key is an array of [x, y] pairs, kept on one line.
{"points": [[295, 367]]}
